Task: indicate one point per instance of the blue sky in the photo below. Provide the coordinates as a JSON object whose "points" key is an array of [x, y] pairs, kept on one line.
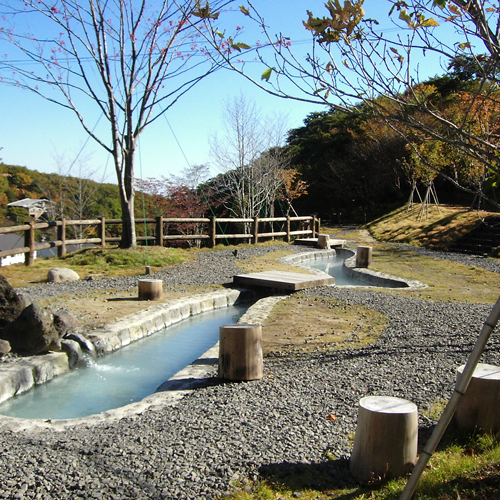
{"points": [[33, 132]]}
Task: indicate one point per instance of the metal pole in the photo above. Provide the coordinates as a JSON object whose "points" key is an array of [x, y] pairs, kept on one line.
{"points": [[460, 389]]}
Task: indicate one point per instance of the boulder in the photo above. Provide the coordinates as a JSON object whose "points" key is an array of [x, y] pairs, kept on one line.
{"points": [[64, 322], [11, 304], [33, 332], [4, 347], [86, 344], [74, 352], [62, 274]]}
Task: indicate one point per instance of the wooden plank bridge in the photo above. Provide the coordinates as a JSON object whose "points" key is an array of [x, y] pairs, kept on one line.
{"points": [[283, 280]]}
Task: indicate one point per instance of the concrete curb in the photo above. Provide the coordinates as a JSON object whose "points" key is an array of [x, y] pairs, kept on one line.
{"points": [[368, 276], [376, 279], [157, 317]]}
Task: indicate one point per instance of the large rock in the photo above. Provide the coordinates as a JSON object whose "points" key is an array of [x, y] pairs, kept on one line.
{"points": [[11, 304], [64, 322], [33, 332], [74, 352], [4, 347], [62, 274], [86, 344]]}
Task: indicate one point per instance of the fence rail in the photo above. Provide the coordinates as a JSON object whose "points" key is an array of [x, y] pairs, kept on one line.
{"points": [[209, 229]]}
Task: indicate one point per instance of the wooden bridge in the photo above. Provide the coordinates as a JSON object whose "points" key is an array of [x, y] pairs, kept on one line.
{"points": [[282, 280]]}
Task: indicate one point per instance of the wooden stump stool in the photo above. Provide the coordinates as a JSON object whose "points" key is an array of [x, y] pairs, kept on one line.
{"points": [[240, 352], [480, 406], [150, 289], [386, 438], [323, 241], [363, 256]]}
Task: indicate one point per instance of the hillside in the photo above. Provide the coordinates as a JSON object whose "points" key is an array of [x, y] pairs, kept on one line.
{"points": [[438, 228], [71, 197]]}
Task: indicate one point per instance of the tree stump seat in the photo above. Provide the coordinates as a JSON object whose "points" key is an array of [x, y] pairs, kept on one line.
{"points": [[479, 407], [385, 444], [240, 352], [150, 289], [364, 256]]}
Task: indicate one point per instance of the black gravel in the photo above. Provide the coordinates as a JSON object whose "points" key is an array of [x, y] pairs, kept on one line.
{"points": [[240, 431]]}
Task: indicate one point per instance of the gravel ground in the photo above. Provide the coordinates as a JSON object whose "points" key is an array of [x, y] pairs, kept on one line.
{"points": [[277, 425], [208, 268]]}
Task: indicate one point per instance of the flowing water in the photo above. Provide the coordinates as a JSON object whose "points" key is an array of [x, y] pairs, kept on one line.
{"points": [[333, 266], [126, 375]]}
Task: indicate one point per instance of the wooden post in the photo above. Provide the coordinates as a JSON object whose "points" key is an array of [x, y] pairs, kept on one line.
{"points": [[212, 231], [103, 232], [313, 227], [61, 251], [288, 235], [159, 231], [240, 352], [255, 230], [150, 289], [385, 444], [363, 256], [478, 407], [318, 225], [323, 241], [29, 241]]}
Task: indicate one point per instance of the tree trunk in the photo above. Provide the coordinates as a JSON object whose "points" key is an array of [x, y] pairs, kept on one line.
{"points": [[125, 168], [128, 224]]}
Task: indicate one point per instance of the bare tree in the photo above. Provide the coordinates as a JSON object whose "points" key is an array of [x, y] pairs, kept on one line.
{"points": [[191, 176], [80, 193], [128, 61], [250, 158], [356, 67]]}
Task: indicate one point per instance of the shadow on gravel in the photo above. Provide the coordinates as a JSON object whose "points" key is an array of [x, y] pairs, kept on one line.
{"points": [[321, 476], [399, 351], [188, 383]]}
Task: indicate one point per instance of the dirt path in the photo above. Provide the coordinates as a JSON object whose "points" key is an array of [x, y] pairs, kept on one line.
{"points": [[96, 309]]}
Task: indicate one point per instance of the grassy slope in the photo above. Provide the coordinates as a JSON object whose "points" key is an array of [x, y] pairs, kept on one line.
{"points": [[438, 227]]}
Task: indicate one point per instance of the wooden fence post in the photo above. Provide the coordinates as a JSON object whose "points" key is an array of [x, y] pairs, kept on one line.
{"points": [[29, 241], [103, 232], [255, 230], [288, 226], [159, 231], [61, 251], [313, 226], [212, 230]]}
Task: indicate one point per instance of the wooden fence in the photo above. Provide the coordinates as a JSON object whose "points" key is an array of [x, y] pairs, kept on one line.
{"points": [[213, 232]]}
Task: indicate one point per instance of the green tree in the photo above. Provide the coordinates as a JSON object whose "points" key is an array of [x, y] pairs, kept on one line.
{"points": [[357, 68], [352, 166]]}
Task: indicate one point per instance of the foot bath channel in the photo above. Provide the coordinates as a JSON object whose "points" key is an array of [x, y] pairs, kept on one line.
{"points": [[126, 375]]}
